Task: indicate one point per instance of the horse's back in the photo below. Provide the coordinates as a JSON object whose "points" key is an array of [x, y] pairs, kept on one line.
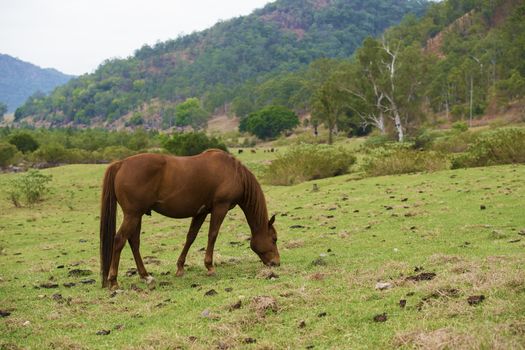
{"points": [[176, 186]]}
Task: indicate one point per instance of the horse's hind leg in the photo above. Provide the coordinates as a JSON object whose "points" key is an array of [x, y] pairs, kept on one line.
{"points": [[129, 225], [195, 226], [134, 243]]}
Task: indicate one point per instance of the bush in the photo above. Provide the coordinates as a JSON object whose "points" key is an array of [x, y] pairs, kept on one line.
{"points": [[113, 153], [30, 187], [7, 154], [377, 140], [503, 146], [24, 142], [51, 153], [269, 122], [403, 160], [308, 162], [192, 143], [460, 126], [454, 142]]}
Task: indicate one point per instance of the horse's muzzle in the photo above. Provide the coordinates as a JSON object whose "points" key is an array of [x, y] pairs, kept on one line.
{"points": [[274, 263]]}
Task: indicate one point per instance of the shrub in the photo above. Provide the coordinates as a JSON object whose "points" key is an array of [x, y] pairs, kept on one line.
{"points": [[269, 122], [460, 126], [51, 153], [454, 142], [403, 160], [30, 187], [503, 146], [377, 140], [24, 142], [113, 153], [7, 154], [189, 144], [308, 162]]}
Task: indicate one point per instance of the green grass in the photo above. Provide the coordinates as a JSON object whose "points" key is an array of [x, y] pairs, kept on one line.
{"points": [[365, 231]]}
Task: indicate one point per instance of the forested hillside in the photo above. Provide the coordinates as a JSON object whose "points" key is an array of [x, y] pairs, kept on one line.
{"points": [[19, 80], [463, 59], [218, 65]]}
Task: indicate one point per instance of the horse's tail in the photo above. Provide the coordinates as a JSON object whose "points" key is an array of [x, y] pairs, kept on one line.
{"points": [[108, 219]]}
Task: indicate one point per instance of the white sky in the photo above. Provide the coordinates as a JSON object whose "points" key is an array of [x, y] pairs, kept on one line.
{"points": [[75, 36]]}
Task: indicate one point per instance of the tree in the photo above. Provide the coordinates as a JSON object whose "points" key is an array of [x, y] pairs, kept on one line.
{"points": [[329, 105], [190, 112], [191, 143], [3, 110], [269, 122], [395, 78], [24, 142]]}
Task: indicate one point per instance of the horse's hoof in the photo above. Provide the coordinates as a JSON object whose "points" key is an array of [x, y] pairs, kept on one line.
{"points": [[114, 287], [150, 282], [180, 273], [211, 272]]}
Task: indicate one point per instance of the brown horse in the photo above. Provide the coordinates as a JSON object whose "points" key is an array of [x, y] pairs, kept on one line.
{"points": [[180, 187]]}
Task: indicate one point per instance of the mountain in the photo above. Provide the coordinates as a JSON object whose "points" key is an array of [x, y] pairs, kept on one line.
{"points": [[19, 80], [216, 64]]}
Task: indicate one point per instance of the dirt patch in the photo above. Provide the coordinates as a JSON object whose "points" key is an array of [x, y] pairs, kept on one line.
{"points": [[261, 305], [294, 244], [444, 338]]}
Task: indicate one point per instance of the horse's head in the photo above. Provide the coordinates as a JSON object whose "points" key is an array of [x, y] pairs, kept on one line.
{"points": [[264, 244]]}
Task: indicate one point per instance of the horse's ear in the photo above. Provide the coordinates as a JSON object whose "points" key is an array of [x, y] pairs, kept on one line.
{"points": [[272, 220]]}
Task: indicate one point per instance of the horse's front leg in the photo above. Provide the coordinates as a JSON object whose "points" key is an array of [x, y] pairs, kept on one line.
{"points": [[218, 213], [195, 226]]}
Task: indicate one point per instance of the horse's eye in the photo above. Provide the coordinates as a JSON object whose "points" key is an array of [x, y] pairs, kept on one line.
{"points": [[275, 240]]}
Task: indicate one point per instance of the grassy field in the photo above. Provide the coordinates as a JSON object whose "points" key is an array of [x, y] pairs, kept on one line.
{"points": [[425, 236]]}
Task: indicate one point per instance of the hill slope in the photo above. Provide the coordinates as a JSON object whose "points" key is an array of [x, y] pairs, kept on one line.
{"points": [[19, 80], [214, 64]]}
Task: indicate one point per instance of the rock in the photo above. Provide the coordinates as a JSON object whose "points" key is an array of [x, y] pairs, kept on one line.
{"points": [[322, 314], [205, 313], [79, 273], [297, 226], [103, 332], [320, 261], [235, 306], [482, 207], [210, 293], [249, 341], [425, 276], [380, 318], [48, 285], [302, 324], [228, 289], [383, 285], [475, 299], [402, 303], [88, 281], [4, 313]]}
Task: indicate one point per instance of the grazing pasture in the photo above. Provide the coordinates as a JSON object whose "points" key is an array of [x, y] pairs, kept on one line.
{"points": [[423, 260]]}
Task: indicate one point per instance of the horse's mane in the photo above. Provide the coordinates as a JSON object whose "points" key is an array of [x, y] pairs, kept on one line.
{"points": [[252, 202]]}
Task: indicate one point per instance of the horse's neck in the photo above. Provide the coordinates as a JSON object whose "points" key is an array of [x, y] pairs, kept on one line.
{"points": [[253, 205]]}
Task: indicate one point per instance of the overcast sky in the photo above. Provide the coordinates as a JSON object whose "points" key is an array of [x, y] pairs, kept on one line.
{"points": [[75, 36]]}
